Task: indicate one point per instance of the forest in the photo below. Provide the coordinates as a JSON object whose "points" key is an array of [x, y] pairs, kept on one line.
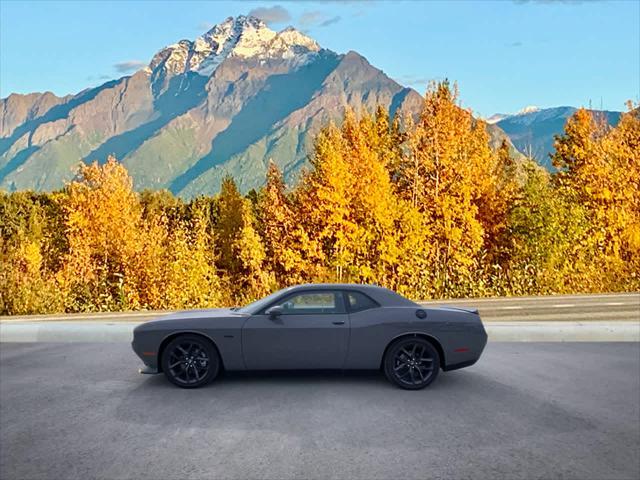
{"points": [[422, 206]]}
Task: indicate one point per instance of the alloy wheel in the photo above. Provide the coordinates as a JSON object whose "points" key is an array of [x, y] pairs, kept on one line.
{"points": [[413, 364], [188, 362]]}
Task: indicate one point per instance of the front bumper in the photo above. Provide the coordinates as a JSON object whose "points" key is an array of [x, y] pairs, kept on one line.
{"points": [[148, 358], [147, 370]]}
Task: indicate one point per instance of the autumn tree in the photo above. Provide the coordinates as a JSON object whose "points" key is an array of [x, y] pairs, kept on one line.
{"points": [[102, 215], [30, 246], [495, 202], [384, 224], [290, 255], [447, 175], [598, 169], [323, 201], [348, 203], [162, 203], [623, 147], [241, 252], [387, 138], [192, 277], [545, 231], [422, 206]]}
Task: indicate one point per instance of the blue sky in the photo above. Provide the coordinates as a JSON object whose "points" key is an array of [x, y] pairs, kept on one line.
{"points": [[504, 54]]}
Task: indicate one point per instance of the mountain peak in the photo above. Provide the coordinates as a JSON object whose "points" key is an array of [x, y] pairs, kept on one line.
{"points": [[244, 21], [241, 36], [528, 109], [496, 117]]}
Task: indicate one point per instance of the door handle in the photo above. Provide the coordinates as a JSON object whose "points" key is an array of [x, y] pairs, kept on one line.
{"points": [[338, 322]]}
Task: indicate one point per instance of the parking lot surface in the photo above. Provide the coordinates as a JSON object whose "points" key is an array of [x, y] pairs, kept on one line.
{"points": [[526, 410]]}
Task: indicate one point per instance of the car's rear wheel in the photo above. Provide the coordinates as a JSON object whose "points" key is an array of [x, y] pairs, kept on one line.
{"points": [[411, 363], [190, 361]]}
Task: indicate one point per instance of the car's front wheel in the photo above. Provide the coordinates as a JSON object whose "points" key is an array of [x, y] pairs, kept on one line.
{"points": [[190, 361], [411, 363]]}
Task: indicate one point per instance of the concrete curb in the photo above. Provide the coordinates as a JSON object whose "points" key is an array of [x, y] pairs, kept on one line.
{"points": [[105, 332], [67, 332], [592, 331]]}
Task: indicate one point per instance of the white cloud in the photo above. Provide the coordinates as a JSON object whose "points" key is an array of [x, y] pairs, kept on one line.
{"points": [[316, 18], [414, 80], [129, 66], [275, 14]]}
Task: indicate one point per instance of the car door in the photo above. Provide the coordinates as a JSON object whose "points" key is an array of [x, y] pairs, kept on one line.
{"points": [[311, 332]]}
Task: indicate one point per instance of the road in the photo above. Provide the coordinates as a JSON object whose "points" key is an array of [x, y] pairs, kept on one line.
{"points": [[602, 307], [598, 318], [526, 410], [584, 308]]}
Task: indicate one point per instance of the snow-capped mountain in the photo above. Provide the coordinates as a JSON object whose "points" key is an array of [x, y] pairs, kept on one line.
{"points": [[497, 117], [245, 37], [532, 129], [223, 103]]}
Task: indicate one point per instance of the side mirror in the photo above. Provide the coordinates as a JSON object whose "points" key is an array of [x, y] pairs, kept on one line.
{"points": [[274, 311]]}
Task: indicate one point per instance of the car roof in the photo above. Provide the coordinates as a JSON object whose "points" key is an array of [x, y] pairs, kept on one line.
{"points": [[383, 296]]}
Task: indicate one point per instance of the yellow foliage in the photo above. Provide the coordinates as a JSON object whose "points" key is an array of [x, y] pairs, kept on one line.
{"points": [[242, 254], [601, 171], [425, 208], [26, 287]]}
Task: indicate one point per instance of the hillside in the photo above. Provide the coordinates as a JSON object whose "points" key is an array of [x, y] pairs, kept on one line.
{"points": [[532, 130], [225, 103]]}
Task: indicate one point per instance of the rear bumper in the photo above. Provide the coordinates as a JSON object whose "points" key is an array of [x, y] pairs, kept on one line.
{"points": [[466, 349], [457, 366]]}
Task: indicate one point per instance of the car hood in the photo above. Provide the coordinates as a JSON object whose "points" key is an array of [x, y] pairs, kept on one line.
{"points": [[193, 319], [208, 313]]}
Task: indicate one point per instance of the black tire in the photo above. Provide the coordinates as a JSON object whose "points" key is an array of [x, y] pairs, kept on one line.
{"points": [[411, 363], [190, 361]]}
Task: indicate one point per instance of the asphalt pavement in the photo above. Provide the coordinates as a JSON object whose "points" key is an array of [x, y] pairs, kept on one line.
{"points": [[584, 308], [553, 318], [526, 410]]}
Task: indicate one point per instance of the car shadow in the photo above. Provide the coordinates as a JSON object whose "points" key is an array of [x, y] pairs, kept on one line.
{"points": [[303, 379], [240, 399], [281, 377], [291, 377]]}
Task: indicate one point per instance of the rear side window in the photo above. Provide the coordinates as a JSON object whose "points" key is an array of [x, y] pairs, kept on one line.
{"points": [[317, 302], [359, 301]]}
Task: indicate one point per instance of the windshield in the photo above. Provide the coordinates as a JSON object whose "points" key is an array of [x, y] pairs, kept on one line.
{"points": [[258, 305]]}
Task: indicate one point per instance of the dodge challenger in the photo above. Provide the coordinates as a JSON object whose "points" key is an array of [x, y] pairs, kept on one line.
{"points": [[327, 326]]}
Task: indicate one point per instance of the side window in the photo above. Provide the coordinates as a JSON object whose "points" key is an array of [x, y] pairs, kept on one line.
{"points": [[359, 302], [313, 302]]}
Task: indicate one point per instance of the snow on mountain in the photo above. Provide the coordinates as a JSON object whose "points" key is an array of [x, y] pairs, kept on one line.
{"points": [[242, 36], [221, 104], [496, 117], [532, 115], [532, 130], [528, 109]]}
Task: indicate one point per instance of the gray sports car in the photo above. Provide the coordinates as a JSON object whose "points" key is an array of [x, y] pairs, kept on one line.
{"points": [[329, 326]]}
